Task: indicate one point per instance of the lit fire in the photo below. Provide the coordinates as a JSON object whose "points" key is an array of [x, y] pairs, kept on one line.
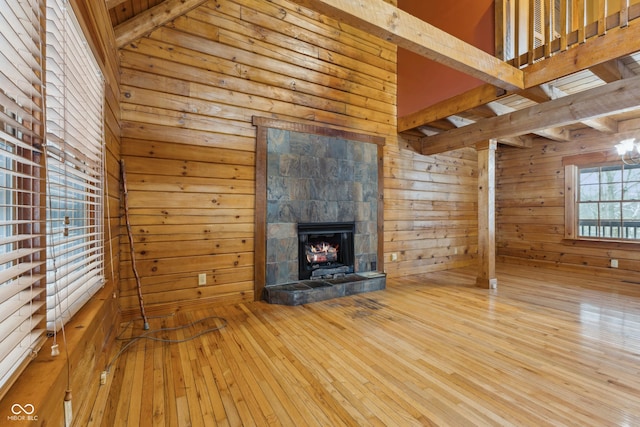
{"points": [[322, 252]]}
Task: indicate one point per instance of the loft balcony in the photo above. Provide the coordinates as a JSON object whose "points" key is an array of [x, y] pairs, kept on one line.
{"points": [[581, 65], [529, 31]]}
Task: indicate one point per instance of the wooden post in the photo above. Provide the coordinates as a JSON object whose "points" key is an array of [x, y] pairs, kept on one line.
{"points": [[487, 214], [501, 28]]}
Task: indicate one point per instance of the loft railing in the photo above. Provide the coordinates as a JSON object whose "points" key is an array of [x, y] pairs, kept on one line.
{"points": [[530, 30]]}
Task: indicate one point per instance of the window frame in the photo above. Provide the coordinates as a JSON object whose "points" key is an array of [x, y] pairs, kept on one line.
{"points": [[572, 166]]}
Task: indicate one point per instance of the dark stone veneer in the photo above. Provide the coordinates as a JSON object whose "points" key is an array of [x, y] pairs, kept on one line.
{"points": [[315, 178]]}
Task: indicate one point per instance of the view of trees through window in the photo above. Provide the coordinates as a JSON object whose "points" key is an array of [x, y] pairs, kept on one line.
{"points": [[609, 202], [6, 201]]}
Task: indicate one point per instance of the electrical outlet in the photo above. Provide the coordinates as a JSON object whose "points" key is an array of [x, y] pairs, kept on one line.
{"points": [[394, 256], [103, 377], [614, 263], [202, 279]]}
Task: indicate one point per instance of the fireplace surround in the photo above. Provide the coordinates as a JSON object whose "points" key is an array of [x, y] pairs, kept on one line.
{"points": [[307, 174]]}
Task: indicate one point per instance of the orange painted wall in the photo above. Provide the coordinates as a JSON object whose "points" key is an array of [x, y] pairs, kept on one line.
{"points": [[422, 82]]}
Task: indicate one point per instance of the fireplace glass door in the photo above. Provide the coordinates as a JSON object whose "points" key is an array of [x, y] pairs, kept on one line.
{"points": [[325, 249]]}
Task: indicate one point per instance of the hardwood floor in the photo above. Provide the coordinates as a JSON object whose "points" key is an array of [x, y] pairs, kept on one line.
{"points": [[543, 349]]}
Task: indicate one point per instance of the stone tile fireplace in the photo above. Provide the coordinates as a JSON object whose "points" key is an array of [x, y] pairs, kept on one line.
{"points": [[314, 179]]}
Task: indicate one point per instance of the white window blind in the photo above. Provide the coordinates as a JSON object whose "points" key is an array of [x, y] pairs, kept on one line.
{"points": [[74, 152], [22, 255]]}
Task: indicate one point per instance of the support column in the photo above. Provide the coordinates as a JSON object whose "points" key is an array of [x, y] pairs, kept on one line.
{"points": [[487, 214]]}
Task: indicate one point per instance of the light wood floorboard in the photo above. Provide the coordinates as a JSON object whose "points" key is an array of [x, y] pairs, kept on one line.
{"points": [[544, 349]]}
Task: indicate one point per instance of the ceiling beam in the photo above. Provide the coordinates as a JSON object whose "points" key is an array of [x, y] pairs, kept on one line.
{"points": [[626, 129], [618, 42], [602, 124], [554, 134], [524, 141], [147, 21], [611, 71], [113, 3], [399, 27], [616, 97], [472, 98], [536, 94]]}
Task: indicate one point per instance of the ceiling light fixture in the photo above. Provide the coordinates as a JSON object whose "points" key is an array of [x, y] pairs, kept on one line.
{"points": [[629, 151]]}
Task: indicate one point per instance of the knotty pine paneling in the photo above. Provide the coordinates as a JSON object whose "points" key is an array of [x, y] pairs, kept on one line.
{"points": [[127, 9], [431, 210], [189, 92], [530, 211]]}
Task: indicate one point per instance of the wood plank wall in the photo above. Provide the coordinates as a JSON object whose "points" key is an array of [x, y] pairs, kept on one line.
{"points": [[189, 91], [431, 210], [530, 211]]}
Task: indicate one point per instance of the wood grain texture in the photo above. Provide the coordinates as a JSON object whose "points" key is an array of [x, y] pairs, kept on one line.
{"points": [[487, 214], [150, 19], [615, 97], [547, 349], [530, 208], [597, 54], [431, 210], [393, 24], [189, 93]]}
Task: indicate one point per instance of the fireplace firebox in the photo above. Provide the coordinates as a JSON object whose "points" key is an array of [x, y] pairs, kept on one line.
{"points": [[325, 249]]}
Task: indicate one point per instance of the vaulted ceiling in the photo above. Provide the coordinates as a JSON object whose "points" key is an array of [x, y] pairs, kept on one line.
{"points": [[592, 88], [123, 10]]}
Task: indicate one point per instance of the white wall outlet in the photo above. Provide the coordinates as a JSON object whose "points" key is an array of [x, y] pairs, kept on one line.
{"points": [[614, 263], [394, 256], [202, 279]]}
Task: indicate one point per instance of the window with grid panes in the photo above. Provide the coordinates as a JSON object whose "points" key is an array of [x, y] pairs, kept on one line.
{"points": [[608, 202]]}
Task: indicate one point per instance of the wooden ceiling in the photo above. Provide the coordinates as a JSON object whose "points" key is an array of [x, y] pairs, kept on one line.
{"points": [[123, 10], [592, 88]]}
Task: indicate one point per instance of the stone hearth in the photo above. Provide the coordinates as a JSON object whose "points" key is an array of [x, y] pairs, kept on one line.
{"points": [[308, 291]]}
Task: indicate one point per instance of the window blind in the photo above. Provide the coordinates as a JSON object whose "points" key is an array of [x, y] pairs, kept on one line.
{"points": [[22, 242], [74, 158]]}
